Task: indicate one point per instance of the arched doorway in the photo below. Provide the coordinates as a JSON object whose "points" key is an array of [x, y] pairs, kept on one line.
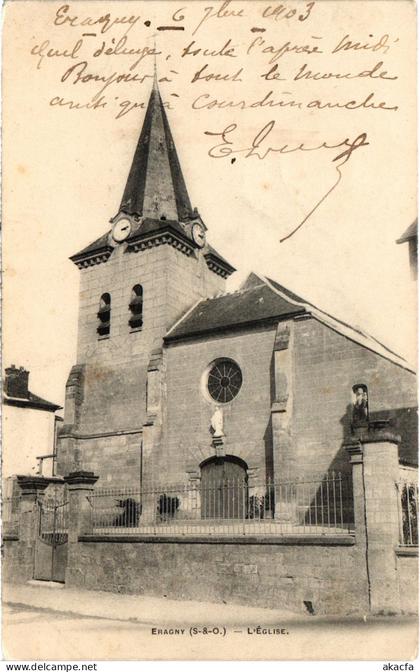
{"points": [[224, 489]]}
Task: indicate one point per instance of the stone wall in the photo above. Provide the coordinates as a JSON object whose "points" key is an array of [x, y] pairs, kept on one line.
{"points": [[330, 576], [341, 573], [106, 391], [117, 458], [171, 282], [319, 368], [407, 571], [17, 561], [187, 439], [326, 366]]}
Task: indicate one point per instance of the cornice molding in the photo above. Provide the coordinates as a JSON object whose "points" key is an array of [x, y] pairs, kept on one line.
{"points": [[142, 242], [167, 237], [92, 258], [218, 266]]}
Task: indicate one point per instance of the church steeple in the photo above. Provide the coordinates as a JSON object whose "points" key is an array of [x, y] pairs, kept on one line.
{"points": [[155, 186], [155, 208]]}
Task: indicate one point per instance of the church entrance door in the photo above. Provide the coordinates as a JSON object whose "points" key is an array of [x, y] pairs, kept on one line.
{"points": [[224, 489]]}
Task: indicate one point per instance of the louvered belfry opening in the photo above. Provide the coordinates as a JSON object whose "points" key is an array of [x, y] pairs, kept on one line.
{"points": [[104, 315], [136, 308]]}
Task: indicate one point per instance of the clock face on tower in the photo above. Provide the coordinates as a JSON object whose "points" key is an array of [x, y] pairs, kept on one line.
{"points": [[121, 230], [198, 234]]}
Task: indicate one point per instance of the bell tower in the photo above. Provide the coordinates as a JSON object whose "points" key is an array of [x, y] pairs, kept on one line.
{"points": [[136, 281]]}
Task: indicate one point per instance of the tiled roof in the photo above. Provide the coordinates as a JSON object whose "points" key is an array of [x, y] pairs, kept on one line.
{"points": [[262, 299], [257, 303], [97, 245], [31, 401], [409, 234]]}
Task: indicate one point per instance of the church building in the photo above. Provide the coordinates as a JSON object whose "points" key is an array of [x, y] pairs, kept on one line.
{"points": [[177, 381]]}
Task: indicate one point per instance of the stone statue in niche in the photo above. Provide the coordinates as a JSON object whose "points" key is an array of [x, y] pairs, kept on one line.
{"points": [[360, 405], [217, 423]]}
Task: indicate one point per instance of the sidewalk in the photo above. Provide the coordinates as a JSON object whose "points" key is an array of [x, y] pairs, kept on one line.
{"points": [[158, 611], [42, 622]]}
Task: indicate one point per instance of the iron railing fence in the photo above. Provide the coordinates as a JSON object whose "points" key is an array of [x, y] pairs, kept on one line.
{"points": [[10, 515], [408, 499], [232, 506]]}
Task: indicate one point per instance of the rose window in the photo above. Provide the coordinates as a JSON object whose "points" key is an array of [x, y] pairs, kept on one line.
{"points": [[224, 380]]}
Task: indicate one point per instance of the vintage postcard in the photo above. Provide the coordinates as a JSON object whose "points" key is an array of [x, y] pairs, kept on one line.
{"points": [[209, 366]]}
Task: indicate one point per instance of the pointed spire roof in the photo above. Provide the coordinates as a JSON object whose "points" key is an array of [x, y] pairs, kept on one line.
{"points": [[155, 198], [155, 186]]}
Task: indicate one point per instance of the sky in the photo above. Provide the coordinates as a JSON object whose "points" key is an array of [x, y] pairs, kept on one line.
{"points": [[65, 169]]}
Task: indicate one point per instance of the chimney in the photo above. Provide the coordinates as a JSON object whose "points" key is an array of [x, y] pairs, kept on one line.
{"points": [[16, 383]]}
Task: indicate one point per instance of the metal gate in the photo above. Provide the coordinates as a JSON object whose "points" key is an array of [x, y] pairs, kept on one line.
{"points": [[51, 544]]}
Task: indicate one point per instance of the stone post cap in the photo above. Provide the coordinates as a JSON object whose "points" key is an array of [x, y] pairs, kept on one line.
{"points": [[379, 431], [80, 478], [32, 485], [376, 432]]}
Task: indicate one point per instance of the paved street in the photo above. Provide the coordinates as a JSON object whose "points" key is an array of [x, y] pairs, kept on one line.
{"points": [[95, 626]]}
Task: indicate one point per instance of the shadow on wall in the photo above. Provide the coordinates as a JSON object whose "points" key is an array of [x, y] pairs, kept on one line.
{"points": [[268, 434], [404, 421], [268, 448], [336, 480]]}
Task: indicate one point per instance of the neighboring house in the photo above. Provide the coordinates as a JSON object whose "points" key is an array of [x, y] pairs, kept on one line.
{"points": [[29, 428], [410, 236], [178, 382]]}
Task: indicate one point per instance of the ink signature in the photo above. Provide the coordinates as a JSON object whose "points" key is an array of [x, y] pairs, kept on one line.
{"points": [[261, 150]]}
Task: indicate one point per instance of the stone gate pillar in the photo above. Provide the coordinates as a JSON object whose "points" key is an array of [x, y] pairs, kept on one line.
{"points": [[80, 486], [374, 457], [32, 489]]}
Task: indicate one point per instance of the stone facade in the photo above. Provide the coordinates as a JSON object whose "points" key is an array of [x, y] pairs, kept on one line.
{"points": [[187, 440], [106, 392], [326, 365], [138, 408], [289, 420], [293, 412]]}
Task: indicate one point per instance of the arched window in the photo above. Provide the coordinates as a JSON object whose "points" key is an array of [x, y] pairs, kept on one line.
{"points": [[136, 307], [104, 315]]}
